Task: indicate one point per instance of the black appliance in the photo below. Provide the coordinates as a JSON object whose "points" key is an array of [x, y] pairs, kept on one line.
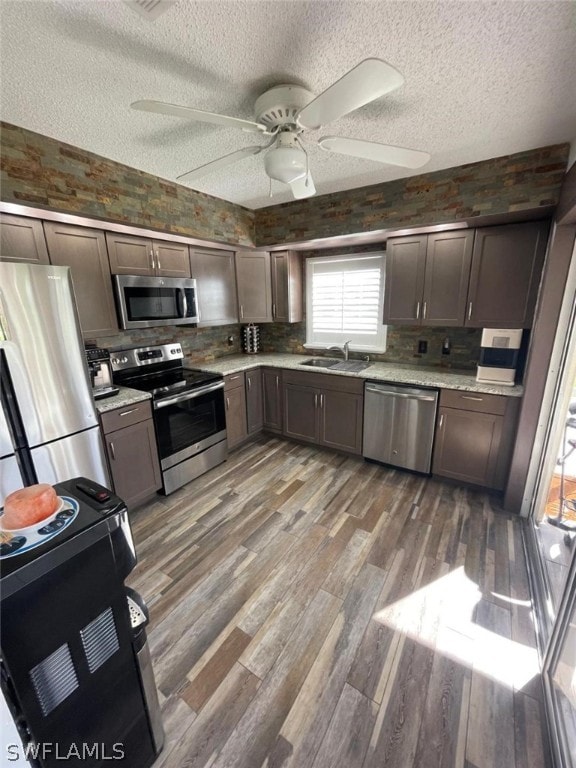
{"points": [[75, 666], [100, 371], [146, 302], [188, 407]]}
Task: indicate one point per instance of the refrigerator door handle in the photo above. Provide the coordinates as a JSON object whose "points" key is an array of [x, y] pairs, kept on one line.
{"points": [[19, 383]]}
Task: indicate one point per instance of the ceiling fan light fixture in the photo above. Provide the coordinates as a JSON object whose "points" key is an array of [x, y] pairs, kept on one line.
{"points": [[286, 162]]}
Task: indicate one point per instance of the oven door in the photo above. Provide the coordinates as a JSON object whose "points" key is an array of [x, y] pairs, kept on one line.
{"points": [[189, 423], [146, 302]]}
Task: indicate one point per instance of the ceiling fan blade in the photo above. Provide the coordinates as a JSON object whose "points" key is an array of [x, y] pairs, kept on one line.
{"points": [[368, 80], [303, 187], [221, 162], [162, 108], [372, 150]]}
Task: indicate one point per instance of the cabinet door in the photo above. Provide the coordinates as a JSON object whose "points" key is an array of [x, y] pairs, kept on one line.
{"points": [[84, 251], [235, 415], [301, 406], [506, 266], [467, 446], [216, 283], [341, 421], [272, 404], [254, 404], [22, 239], [133, 459], [254, 286], [172, 259], [130, 255], [448, 259], [286, 286], [404, 287]]}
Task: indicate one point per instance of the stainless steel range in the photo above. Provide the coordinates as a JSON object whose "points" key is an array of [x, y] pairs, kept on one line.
{"points": [[188, 406]]}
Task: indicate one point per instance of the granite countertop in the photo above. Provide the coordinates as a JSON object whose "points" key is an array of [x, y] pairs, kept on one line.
{"points": [[125, 397], [402, 374]]}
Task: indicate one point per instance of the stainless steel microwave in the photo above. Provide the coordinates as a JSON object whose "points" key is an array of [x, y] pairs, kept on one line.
{"points": [[146, 302]]}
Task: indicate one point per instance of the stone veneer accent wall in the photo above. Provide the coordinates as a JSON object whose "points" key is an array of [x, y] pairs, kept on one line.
{"points": [[46, 173], [525, 180]]}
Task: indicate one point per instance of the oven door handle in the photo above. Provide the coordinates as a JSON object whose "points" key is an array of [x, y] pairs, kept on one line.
{"points": [[189, 395], [182, 302]]}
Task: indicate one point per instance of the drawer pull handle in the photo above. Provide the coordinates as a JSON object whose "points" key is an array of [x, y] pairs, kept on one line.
{"points": [[315, 401], [417, 310], [241, 312], [152, 257], [112, 451], [424, 311], [158, 259], [125, 413], [233, 378], [321, 401], [227, 403], [470, 311], [249, 380], [469, 397], [441, 421]]}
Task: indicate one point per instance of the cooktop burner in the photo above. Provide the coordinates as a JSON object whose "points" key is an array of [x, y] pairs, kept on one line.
{"points": [[163, 383]]}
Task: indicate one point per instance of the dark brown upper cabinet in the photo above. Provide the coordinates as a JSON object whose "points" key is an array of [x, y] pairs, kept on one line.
{"points": [[22, 239], [254, 282], [131, 255], [286, 286], [506, 265], [84, 251], [427, 278], [216, 283]]}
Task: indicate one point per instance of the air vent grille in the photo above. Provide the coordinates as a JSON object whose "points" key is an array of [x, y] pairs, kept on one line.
{"points": [[150, 9], [54, 679], [100, 640]]}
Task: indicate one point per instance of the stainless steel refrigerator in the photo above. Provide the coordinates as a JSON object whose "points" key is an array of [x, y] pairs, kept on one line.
{"points": [[49, 429]]}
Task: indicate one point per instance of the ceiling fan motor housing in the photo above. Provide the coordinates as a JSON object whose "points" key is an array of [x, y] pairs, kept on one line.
{"points": [[280, 105]]}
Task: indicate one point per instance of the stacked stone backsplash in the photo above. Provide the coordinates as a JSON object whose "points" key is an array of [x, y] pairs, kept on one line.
{"points": [[402, 345], [200, 345]]}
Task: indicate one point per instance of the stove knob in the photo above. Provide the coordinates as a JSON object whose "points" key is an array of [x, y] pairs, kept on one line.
{"points": [[115, 361], [124, 360]]}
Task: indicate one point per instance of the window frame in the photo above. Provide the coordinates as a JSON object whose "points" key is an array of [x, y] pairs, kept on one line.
{"points": [[380, 340]]}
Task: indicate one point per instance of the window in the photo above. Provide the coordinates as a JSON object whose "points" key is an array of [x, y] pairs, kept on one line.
{"points": [[344, 302]]}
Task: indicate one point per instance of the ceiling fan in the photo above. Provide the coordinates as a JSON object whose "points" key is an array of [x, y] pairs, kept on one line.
{"points": [[284, 112]]}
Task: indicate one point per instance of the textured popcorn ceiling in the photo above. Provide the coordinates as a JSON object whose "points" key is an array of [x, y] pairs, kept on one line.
{"points": [[483, 79]]}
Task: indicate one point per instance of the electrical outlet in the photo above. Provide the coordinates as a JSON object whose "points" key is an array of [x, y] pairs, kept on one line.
{"points": [[422, 346], [230, 340]]}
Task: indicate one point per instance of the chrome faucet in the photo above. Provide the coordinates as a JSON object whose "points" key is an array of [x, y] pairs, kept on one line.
{"points": [[344, 349]]}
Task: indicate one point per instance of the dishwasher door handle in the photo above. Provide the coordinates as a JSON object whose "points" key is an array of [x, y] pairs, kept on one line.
{"points": [[403, 396]]}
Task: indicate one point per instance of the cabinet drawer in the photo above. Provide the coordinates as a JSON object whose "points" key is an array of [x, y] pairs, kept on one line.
{"points": [[473, 401], [325, 381], [124, 417], [233, 380]]}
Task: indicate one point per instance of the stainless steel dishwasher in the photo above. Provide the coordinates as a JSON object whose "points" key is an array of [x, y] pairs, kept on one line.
{"points": [[399, 425]]}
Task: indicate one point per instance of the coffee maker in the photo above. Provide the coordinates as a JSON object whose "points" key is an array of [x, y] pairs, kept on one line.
{"points": [[100, 370]]}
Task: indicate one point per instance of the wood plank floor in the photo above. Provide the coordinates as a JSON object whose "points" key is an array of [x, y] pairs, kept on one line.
{"points": [[311, 610]]}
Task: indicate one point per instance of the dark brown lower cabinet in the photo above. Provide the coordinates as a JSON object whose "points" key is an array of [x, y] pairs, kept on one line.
{"points": [[324, 409], [272, 399], [254, 405], [235, 401], [132, 452], [474, 437]]}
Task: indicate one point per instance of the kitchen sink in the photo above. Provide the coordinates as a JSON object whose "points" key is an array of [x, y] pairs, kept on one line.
{"points": [[320, 362], [352, 366]]}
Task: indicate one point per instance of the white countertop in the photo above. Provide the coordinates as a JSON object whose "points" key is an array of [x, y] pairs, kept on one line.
{"points": [[402, 374], [125, 397]]}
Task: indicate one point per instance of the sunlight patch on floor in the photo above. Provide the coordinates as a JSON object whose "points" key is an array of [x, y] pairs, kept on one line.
{"points": [[444, 616]]}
